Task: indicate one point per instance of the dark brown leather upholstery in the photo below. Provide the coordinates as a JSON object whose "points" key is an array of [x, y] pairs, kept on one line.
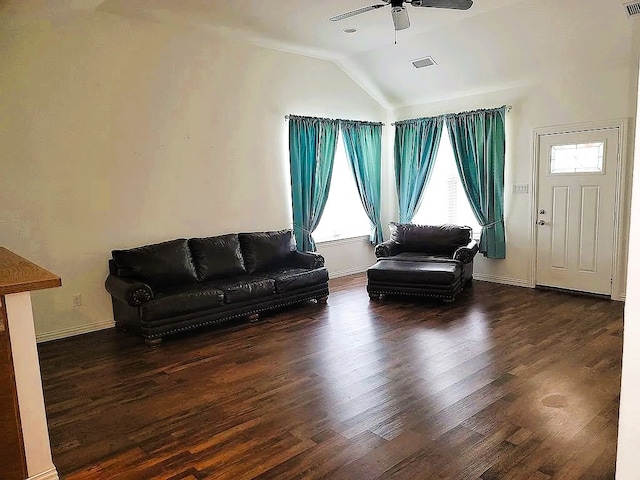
{"points": [[160, 264], [424, 242], [245, 287], [129, 290], [266, 250], [288, 279], [427, 273], [427, 260], [175, 300], [440, 278], [183, 284], [217, 257], [304, 259], [436, 239]]}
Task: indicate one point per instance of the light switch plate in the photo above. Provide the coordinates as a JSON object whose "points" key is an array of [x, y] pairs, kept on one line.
{"points": [[521, 189]]}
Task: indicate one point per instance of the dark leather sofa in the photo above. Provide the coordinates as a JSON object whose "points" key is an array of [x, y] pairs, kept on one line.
{"points": [[424, 260], [183, 284]]}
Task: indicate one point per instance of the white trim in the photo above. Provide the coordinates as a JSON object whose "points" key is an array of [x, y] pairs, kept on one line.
{"points": [[515, 282], [620, 193], [73, 331], [349, 271], [330, 242], [344, 63], [341, 61], [46, 475], [619, 256], [28, 382]]}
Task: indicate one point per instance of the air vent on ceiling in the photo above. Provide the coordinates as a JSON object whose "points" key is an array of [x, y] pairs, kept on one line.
{"points": [[633, 8], [424, 62]]}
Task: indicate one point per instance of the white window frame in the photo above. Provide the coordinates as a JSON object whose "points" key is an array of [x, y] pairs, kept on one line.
{"points": [[346, 181], [445, 154]]}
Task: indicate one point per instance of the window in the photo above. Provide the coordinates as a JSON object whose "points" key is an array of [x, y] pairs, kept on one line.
{"points": [[577, 158], [444, 200], [343, 215]]}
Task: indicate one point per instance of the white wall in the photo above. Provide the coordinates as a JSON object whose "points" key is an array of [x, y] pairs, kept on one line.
{"points": [[117, 133], [601, 96], [347, 256], [628, 464]]}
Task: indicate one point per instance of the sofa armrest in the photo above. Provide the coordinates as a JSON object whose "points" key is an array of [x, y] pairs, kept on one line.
{"points": [[128, 290], [387, 249], [465, 254], [306, 259]]}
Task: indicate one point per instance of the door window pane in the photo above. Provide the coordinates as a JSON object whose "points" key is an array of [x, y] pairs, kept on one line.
{"points": [[577, 158]]}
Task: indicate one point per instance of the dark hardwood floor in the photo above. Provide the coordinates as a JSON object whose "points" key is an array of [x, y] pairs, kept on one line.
{"points": [[505, 383]]}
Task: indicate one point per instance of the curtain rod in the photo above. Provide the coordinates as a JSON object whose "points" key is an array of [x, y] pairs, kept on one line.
{"points": [[287, 117], [507, 107]]}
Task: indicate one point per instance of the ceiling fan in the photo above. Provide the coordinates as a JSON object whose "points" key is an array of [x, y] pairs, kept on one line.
{"points": [[399, 11]]}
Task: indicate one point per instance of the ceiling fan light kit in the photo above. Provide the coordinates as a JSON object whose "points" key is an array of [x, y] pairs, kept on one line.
{"points": [[399, 12], [400, 18]]}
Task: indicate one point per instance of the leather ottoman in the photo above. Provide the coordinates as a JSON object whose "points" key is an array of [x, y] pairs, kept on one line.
{"points": [[437, 278]]}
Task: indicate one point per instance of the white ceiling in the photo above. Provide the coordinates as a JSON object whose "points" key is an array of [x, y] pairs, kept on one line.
{"points": [[494, 45]]}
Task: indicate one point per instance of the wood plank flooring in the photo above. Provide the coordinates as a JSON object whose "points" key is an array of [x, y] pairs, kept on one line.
{"points": [[505, 383]]}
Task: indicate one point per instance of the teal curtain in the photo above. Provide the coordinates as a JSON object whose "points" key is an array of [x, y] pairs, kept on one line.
{"points": [[363, 144], [415, 148], [478, 141], [312, 148]]}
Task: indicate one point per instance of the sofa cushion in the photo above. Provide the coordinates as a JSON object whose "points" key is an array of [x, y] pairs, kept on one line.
{"points": [[160, 264], [244, 287], [436, 239], [288, 279], [174, 301], [216, 257], [266, 250]]}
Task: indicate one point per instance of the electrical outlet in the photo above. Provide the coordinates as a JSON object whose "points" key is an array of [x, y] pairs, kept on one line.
{"points": [[77, 300], [520, 189]]}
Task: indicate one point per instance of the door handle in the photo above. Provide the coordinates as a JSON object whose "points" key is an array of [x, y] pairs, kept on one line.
{"points": [[541, 222]]}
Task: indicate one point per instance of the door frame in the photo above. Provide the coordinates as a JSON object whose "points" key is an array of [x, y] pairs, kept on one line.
{"points": [[620, 201]]}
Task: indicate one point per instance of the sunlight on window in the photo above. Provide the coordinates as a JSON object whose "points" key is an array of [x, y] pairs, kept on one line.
{"points": [[577, 158], [444, 200], [343, 215]]}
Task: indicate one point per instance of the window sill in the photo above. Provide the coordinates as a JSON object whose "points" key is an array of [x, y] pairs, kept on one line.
{"points": [[342, 239]]}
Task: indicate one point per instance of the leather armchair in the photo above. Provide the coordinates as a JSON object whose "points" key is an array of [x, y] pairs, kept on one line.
{"points": [[424, 243]]}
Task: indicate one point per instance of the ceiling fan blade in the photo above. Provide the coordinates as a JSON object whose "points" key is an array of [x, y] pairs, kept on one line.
{"points": [[356, 12], [454, 4]]}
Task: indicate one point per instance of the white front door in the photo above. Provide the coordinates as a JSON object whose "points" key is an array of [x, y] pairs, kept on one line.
{"points": [[576, 210]]}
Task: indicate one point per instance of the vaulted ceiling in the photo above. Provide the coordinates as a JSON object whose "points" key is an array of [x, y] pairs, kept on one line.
{"points": [[494, 45]]}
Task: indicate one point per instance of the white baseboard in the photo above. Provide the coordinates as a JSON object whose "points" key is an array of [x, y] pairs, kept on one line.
{"points": [[51, 474], [350, 271], [516, 282], [72, 331]]}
